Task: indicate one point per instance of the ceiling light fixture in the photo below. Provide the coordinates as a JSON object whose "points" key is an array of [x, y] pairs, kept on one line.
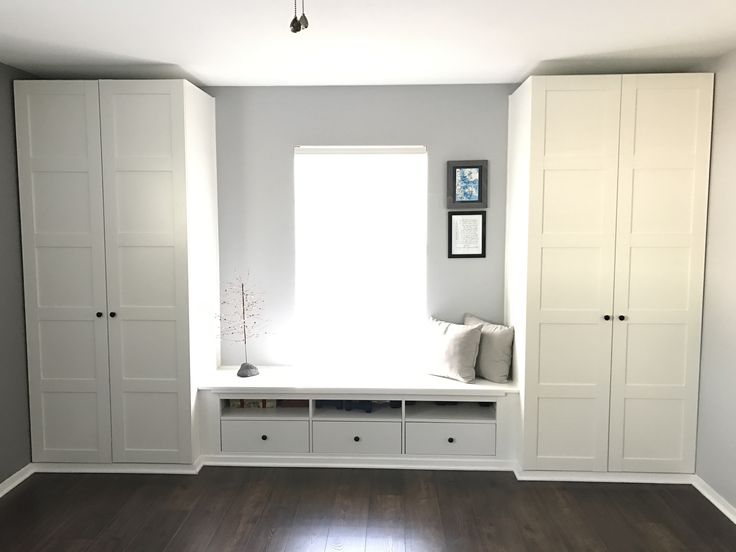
{"points": [[297, 24]]}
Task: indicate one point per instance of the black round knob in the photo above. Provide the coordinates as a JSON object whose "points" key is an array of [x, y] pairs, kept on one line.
{"points": [[356, 438], [621, 317], [98, 315], [451, 440], [113, 314], [607, 317], [264, 437]]}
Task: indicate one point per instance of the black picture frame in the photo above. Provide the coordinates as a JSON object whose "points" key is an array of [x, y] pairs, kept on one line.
{"points": [[452, 174], [450, 237]]}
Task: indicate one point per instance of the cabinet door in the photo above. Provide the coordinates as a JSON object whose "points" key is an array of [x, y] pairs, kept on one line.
{"points": [[59, 167], [660, 246], [145, 231], [572, 231]]}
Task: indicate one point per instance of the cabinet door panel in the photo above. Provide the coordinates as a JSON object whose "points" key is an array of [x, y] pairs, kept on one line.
{"points": [[145, 225], [571, 258], [660, 246], [60, 179]]}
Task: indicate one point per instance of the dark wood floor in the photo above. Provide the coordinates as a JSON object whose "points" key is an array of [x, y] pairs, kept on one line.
{"points": [[256, 509]]}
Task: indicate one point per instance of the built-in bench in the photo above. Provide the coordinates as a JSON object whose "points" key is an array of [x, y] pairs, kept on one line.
{"points": [[287, 416]]}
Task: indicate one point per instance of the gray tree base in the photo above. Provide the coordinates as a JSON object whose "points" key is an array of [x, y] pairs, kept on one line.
{"points": [[247, 370]]}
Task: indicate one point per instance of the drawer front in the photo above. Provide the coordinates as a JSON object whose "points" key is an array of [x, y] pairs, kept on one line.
{"points": [[372, 437], [456, 439], [247, 436]]}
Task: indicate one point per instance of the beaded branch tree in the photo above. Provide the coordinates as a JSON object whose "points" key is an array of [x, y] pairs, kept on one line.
{"points": [[241, 319]]}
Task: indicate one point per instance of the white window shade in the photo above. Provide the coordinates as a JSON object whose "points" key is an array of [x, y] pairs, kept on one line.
{"points": [[361, 256]]}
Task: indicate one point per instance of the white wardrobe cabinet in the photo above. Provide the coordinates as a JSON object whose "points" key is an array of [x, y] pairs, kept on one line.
{"points": [[119, 223], [606, 219]]}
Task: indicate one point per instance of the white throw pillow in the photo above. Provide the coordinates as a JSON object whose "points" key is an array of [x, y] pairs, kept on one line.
{"points": [[452, 350], [494, 356]]}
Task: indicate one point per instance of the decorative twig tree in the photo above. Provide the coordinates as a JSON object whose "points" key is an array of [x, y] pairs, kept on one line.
{"points": [[241, 318]]}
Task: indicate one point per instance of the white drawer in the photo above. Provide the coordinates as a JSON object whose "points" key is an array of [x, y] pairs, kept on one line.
{"points": [[357, 437], [248, 436], [443, 438]]}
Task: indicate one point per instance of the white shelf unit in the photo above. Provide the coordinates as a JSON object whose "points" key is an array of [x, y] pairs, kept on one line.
{"points": [[419, 429]]}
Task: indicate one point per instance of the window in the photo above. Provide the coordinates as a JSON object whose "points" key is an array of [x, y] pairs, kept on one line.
{"points": [[361, 256]]}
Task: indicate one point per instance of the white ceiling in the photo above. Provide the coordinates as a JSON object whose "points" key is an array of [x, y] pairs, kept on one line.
{"points": [[247, 42]]}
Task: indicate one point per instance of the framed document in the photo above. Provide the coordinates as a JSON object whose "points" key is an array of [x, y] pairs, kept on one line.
{"points": [[466, 234]]}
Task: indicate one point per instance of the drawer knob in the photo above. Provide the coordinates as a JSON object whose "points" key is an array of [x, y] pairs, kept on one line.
{"points": [[356, 438], [264, 437], [621, 317], [113, 314], [451, 440], [98, 314], [606, 317]]}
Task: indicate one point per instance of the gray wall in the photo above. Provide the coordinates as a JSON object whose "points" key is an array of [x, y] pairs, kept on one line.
{"points": [[15, 447], [257, 130], [716, 460]]}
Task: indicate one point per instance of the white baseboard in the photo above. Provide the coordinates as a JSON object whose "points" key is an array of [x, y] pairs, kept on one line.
{"points": [[16, 479], [728, 509], [173, 469], [375, 462], [604, 477]]}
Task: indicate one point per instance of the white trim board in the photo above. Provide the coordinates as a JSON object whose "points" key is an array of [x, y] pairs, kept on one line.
{"points": [[604, 477], [16, 479], [166, 469], [373, 462], [728, 509]]}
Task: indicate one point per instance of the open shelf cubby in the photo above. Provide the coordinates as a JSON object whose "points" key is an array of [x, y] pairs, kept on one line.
{"points": [[357, 410], [264, 410], [473, 412]]}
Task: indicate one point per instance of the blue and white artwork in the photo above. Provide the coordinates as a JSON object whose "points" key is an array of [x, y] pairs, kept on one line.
{"points": [[467, 184]]}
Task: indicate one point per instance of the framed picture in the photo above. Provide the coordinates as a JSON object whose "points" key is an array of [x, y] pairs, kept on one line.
{"points": [[467, 184], [466, 234]]}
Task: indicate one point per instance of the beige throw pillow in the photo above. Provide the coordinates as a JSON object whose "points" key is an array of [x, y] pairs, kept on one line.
{"points": [[494, 356], [452, 350]]}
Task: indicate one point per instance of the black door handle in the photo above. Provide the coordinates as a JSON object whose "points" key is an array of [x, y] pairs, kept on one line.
{"points": [[98, 315], [621, 317], [451, 440], [113, 314], [264, 437], [356, 438], [606, 317]]}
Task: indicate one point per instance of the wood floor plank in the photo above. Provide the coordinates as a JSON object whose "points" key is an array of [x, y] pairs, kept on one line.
{"points": [[311, 523], [149, 496], [424, 530], [34, 509], [349, 518], [245, 511], [318, 510], [386, 510], [205, 518], [168, 514], [271, 532]]}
